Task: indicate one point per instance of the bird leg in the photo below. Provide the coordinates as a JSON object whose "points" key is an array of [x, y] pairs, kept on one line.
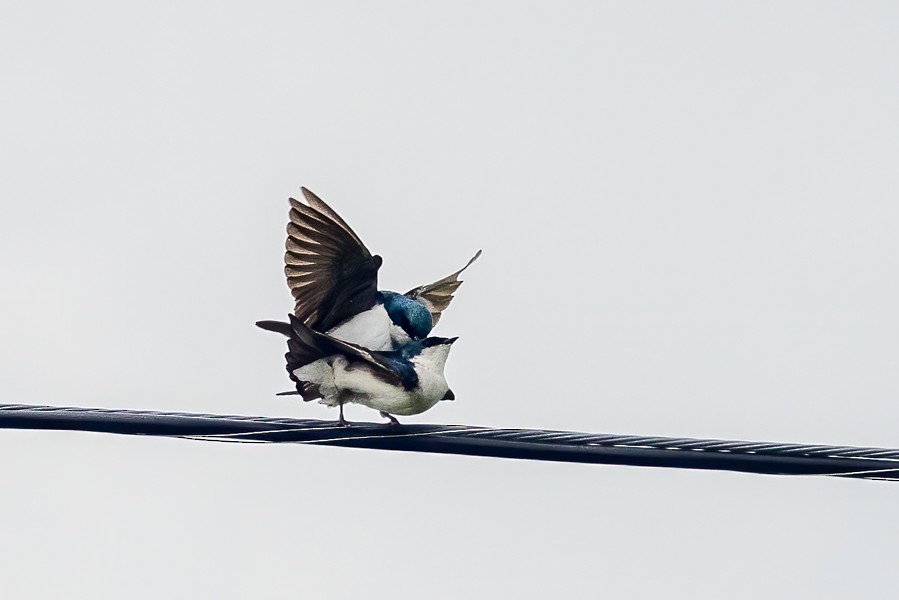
{"points": [[390, 418], [341, 422]]}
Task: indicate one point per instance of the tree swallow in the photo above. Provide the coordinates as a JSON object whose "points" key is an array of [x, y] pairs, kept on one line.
{"points": [[334, 281], [406, 381], [349, 342]]}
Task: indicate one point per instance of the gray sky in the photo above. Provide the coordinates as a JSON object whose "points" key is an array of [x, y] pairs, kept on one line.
{"points": [[689, 220]]}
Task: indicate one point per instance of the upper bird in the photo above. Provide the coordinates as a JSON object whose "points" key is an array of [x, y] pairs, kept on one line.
{"points": [[334, 281]]}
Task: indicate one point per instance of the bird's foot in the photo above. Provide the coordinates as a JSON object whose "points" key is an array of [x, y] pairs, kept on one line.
{"points": [[390, 418], [341, 422]]}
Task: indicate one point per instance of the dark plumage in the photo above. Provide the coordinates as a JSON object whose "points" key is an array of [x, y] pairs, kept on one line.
{"points": [[331, 273]]}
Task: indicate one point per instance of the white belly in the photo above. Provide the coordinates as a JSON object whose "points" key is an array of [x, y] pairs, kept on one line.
{"points": [[369, 329], [395, 400]]}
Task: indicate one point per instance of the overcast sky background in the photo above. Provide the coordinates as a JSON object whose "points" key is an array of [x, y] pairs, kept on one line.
{"points": [[689, 219]]}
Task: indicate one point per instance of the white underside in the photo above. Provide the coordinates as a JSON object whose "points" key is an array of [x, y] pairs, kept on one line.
{"points": [[371, 329], [339, 384]]}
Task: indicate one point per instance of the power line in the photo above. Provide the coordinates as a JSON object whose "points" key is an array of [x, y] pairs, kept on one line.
{"points": [[527, 444]]}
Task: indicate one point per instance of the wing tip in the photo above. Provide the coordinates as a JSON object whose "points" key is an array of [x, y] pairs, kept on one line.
{"points": [[275, 326], [476, 256], [309, 194]]}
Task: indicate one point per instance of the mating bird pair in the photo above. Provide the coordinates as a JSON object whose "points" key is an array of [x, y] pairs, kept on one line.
{"points": [[349, 342]]}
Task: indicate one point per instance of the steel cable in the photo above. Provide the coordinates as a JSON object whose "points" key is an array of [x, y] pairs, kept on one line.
{"points": [[529, 444]]}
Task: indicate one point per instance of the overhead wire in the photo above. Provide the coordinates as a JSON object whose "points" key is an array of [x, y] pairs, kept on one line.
{"points": [[524, 444]]}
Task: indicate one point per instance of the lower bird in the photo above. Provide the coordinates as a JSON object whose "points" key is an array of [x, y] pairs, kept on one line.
{"points": [[406, 381]]}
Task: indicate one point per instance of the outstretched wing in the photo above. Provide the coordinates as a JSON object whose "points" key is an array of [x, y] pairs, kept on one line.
{"points": [[306, 345], [331, 273], [438, 295]]}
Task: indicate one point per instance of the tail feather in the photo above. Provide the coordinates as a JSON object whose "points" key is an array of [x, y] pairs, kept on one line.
{"points": [[302, 349]]}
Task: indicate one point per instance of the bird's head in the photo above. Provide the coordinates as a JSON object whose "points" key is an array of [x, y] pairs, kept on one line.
{"points": [[412, 316], [434, 352]]}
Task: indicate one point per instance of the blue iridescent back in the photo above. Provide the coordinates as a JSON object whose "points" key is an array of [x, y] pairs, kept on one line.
{"points": [[411, 315]]}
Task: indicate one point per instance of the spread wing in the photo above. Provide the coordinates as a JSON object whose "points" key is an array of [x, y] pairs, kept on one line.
{"points": [[438, 295], [331, 273]]}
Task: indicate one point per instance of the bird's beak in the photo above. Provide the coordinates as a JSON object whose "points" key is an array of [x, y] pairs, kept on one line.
{"points": [[451, 340], [449, 395]]}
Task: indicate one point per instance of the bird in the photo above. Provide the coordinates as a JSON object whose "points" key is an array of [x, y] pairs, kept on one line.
{"points": [[349, 341], [406, 381], [334, 281]]}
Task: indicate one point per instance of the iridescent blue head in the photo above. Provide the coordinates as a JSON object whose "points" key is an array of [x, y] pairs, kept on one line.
{"points": [[411, 315]]}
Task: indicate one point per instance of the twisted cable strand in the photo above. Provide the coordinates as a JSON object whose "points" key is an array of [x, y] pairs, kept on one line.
{"points": [[533, 444]]}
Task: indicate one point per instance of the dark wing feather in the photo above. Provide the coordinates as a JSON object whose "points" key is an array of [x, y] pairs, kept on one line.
{"points": [[306, 345], [438, 295], [276, 326], [331, 273]]}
